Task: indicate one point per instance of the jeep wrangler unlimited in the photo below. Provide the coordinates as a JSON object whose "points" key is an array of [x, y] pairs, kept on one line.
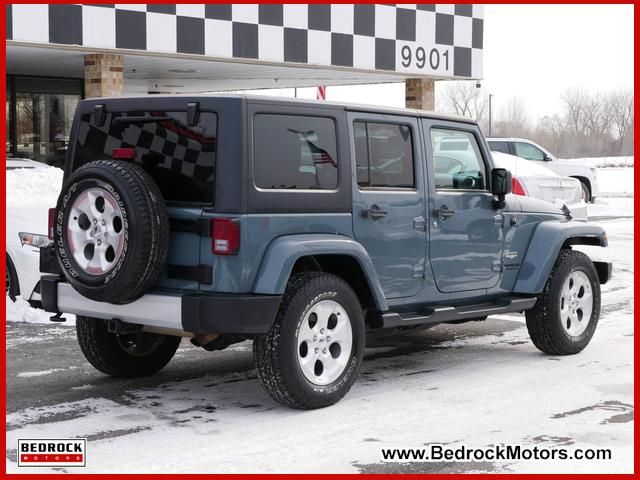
{"points": [[300, 226]]}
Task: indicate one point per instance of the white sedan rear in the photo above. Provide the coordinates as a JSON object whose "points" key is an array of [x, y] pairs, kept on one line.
{"points": [[535, 180], [32, 188]]}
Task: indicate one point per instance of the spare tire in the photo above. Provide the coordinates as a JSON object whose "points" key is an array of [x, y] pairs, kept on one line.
{"points": [[111, 231]]}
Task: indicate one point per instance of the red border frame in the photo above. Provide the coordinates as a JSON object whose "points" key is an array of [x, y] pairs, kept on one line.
{"points": [[3, 400]]}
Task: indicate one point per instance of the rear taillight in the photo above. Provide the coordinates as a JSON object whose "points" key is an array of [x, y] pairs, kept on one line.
{"points": [[517, 188], [52, 219], [225, 238]]}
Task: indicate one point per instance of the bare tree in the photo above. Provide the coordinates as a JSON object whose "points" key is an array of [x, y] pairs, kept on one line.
{"points": [[465, 99], [574, 99], [513, 120], [622, 105]]}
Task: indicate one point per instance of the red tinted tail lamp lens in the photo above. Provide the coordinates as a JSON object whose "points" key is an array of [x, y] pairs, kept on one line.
{"points": [[52, 221], [225, 239], [517, 188], [123, 153]]}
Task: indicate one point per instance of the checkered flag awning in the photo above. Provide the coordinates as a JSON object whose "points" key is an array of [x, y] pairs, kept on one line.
{"points": [[444, 41]]}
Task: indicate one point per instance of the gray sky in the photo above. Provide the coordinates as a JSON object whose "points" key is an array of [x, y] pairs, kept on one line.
{"points": [[536, 52]]}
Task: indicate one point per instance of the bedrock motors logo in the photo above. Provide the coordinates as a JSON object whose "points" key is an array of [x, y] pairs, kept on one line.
{"points": [[50, 452]]}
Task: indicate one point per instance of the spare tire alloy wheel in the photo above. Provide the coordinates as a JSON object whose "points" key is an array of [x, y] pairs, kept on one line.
{"points": [[112, 231], [96, 232]]}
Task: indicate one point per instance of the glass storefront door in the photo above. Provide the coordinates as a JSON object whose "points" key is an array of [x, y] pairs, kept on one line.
{"points": [[43, 111]]}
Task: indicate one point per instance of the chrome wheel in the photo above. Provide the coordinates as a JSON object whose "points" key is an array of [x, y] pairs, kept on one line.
{"points": [[324, 342], [576, 303], [95, 231]]}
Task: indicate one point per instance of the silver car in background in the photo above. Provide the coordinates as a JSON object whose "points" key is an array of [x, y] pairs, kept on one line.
{"points": [[537, 181]]}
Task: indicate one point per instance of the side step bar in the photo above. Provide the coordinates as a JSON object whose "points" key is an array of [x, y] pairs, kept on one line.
{"points": [[448, 314]]}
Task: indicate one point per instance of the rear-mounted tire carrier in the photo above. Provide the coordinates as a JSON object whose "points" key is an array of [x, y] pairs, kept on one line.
{"points": [[111, 231]]}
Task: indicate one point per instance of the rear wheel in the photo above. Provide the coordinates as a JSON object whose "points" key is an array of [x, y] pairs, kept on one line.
{"points": [[313, 352], [124, 355], [566, 314], [12, 286]]}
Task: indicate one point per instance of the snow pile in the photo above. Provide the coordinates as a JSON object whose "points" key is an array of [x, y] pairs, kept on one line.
{"points": [[605, 162], [21, 311], [615, 182], [33, 186]]}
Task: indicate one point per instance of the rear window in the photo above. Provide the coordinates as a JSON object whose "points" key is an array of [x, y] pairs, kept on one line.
{"points": [[294, 152], [180, 158]]}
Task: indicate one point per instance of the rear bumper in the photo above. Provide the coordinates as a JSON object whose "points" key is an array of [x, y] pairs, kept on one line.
{"points": [[244, 314]]}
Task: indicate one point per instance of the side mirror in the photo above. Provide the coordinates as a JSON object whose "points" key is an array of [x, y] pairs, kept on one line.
{"points": [[546, 158], [500, 184]]}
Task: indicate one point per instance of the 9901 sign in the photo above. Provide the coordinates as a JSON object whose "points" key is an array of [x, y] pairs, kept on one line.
{"points": [[421, 58]]}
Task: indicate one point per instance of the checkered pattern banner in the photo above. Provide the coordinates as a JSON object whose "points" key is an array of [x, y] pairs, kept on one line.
{"points": [[417, 39]]}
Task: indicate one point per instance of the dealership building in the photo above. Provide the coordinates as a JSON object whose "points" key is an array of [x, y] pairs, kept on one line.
{"points": [[59, 54]]}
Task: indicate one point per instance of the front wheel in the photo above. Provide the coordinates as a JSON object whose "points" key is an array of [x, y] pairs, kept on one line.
{"points": [[124, 355], [312, 354], [586, 193], [566, 314]]}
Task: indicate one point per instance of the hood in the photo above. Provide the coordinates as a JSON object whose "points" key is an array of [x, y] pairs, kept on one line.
{"points": [[519, 167]]}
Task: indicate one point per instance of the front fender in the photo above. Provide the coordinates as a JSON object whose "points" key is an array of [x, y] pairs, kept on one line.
{"points": [[544, 247], [283, 252]]}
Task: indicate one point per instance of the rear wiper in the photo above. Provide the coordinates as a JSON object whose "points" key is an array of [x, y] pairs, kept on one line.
{"points": [[141, 119]]}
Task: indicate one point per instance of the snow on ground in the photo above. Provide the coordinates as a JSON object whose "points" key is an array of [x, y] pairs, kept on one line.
{"points": [[605, 162], [21, 311], [473, 389], [33, 186]]}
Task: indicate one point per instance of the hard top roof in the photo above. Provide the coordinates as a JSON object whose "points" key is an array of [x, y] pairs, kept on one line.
{"points": [[267, 99]]}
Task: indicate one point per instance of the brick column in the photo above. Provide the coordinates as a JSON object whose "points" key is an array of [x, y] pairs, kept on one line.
{"points": [[103, 75], [420, 94]]}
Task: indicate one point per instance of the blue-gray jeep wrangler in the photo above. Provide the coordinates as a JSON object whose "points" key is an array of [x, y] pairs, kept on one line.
{"points": [[300, 226]]}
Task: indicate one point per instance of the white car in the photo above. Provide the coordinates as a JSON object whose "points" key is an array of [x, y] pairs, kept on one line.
{"points": [[529, 150], [26, 232], [535, 180]]}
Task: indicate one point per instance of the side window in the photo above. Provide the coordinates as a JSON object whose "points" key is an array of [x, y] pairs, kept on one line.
{"points": [[529, 152], [384, 155], [457, 160], [294, 152], [499, 147]]}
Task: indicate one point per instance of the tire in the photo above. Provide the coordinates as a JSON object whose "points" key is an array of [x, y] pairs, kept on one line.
{"points": [[586, 192], [111, 231], [279, 354], [12, 285], [553, 328], [124, 356]]}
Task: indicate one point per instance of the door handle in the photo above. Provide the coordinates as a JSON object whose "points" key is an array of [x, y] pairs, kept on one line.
{"points": [[443, 213], [375, 212]]}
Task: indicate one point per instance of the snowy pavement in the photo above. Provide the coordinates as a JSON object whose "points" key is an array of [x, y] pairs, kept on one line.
{"points": [[478, 384]]}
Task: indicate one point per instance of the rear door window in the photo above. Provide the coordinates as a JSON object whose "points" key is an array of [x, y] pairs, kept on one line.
{"points": [[384, 155], [180, 158], [294, 152]]}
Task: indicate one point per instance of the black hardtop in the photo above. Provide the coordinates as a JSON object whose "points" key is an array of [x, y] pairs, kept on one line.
{"points": [[179, 102]]}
